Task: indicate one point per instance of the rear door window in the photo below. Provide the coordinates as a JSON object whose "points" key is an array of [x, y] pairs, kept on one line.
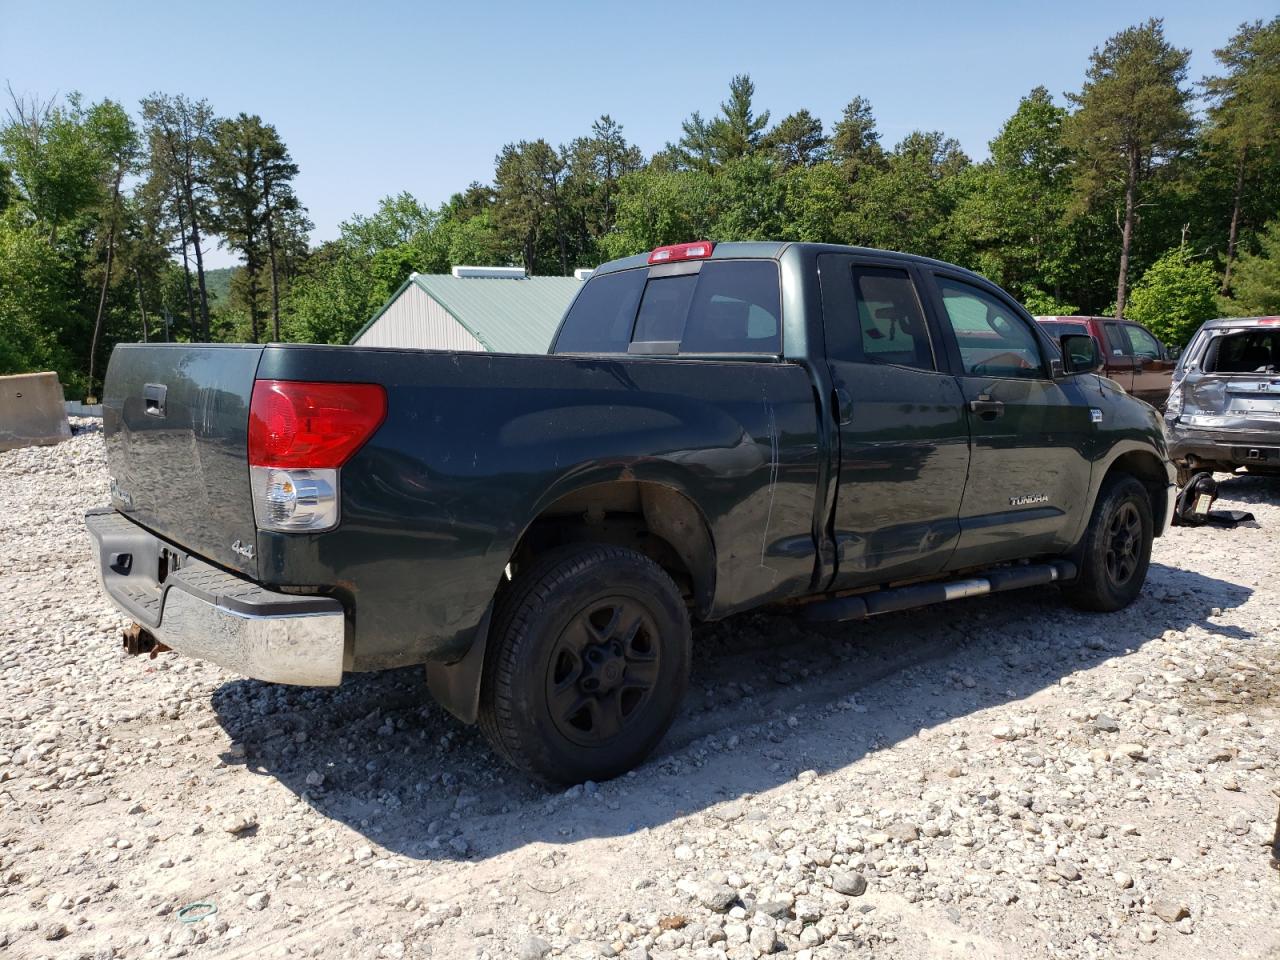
{"points": [[891, 323]]}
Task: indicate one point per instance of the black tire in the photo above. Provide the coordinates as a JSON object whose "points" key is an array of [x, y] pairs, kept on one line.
{"points": [[591, 624], [1116, 550]]}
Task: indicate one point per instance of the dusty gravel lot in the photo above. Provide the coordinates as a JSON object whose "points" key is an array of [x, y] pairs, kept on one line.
{"points": [[999, 777]]}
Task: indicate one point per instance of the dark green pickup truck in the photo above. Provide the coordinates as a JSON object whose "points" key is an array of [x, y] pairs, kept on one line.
{"points": [[718, 427]]}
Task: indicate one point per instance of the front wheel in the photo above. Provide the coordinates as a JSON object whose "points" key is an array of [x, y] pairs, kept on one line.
{"points": [[587, 664], [1117, 548]]}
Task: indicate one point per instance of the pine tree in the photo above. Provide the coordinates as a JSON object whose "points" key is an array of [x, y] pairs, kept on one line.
{"points": [[1132, 117], [1244, 115]]}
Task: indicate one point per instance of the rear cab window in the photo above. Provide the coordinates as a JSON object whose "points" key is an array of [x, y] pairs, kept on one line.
{"points": [[725, 307]]}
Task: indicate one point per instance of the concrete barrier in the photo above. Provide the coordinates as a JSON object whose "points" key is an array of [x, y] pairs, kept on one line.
{"points": [[31, 410], [77, 409]]}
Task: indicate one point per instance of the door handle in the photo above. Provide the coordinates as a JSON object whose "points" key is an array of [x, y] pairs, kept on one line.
{"points": [[986, 408], [843, 405]]}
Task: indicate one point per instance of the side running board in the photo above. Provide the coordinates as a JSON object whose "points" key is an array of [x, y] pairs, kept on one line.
{"points": [[921, 594]]}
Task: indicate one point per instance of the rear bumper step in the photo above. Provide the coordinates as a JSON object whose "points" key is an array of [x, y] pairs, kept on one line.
{"points": [[205, 612], [922, 594]]}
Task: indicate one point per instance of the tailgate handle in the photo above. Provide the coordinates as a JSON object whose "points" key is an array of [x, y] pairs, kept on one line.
{"points": [[153, 399]]}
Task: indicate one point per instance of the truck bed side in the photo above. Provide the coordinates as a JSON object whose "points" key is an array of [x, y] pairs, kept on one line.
{"points": [[475, 447]]}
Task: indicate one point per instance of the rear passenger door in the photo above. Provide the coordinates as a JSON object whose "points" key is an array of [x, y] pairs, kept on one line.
{"points": [[904, 440], [1031, 436]]}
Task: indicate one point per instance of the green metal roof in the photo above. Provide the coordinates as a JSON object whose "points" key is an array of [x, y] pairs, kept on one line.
{"points": [[507, 315]]}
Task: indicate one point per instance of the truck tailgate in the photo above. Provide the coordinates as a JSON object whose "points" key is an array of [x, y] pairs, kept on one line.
{"points": [[176, 419]]}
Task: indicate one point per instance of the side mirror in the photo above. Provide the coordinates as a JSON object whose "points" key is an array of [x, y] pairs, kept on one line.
{"points": [[1080, 354]]}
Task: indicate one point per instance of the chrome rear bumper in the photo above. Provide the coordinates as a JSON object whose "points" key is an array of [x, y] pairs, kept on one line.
{"points": [[205, 612]]}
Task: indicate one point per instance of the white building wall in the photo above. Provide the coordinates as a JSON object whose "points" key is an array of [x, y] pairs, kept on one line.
{"points": [[414, 319]]}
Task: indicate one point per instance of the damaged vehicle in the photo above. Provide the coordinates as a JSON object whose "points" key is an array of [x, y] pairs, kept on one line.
{"points": [[837, 431], [1223, 411]]}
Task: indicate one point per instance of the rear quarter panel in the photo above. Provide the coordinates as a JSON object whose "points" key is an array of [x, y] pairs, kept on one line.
{"points": [[476, 445]]}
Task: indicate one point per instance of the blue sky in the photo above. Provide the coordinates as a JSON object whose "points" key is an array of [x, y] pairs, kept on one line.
{"points": [[378, 97]]}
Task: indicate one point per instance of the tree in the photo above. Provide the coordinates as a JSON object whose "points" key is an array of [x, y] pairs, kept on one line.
{"points": [[1244, 115], [1132, 115], [595, 165], [855, 144], [1012, 211], [398, 220], [906, 204], [735, 133], [236, 176], [797, 140], [179, 135], [278, 203], [532, 204], [56, 163], [1256, 289], [118, 141], [37, 288], [1175, 296]]}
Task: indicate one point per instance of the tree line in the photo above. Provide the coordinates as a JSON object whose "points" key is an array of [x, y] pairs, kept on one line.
{"points": [[1142, 194]]}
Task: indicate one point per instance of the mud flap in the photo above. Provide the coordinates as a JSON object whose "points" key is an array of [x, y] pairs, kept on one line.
{"points": [[456, 686]]}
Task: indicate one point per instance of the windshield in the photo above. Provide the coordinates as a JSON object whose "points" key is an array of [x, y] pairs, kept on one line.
{"points": [[1245, 351]]}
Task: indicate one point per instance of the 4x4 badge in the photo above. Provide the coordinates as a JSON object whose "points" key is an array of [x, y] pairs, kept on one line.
{"points": [[244, 549]]}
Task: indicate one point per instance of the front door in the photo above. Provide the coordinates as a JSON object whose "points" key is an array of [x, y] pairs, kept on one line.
{"points": [[1031, 435], [1152, 369], [904, 439]]}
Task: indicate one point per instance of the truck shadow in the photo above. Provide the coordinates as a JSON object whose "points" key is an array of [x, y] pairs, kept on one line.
{"points": [[770, 697]]}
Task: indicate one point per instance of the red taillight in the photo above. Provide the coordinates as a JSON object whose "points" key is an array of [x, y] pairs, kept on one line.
{"points": [[317, 425], [682, 251], [1268, 321]]}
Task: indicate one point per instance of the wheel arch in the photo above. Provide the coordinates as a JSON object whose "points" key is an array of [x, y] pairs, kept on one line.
{"points": [[657, 519]]}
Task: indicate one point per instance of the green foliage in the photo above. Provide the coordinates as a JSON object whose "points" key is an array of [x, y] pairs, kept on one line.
{"points": [[855, 144], [37, 283], [1174, 297], [1256, 287], [797, 140], [1133, 116], [1040, 304], [737, 132], [1012, 209]]}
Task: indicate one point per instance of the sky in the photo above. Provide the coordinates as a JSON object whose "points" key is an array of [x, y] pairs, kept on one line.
{"points": [[374, 98]]}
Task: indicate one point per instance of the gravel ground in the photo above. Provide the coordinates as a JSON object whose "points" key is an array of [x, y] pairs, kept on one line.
{"points": [[999, 777]]}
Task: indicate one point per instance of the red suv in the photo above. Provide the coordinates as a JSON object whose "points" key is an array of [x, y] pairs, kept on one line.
{"points": [[1135, 359]]}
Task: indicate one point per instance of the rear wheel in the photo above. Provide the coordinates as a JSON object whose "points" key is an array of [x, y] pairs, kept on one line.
{"points": [[1116, 551], [587, 664]]}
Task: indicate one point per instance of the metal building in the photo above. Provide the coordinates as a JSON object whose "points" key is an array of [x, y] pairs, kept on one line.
{"points": [[486, 309]]}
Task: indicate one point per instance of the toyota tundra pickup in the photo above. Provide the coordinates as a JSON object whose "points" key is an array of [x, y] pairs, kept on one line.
{"points": [[840, 431]]}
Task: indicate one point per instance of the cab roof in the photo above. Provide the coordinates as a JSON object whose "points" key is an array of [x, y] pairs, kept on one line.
{"points": [[774, 250]]}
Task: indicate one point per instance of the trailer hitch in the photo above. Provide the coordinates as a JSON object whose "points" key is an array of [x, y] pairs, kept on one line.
{"points": [[137, 639]]}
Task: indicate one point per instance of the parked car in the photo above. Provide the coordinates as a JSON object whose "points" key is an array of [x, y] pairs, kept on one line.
{"points": [[1135, 359], [718, 427], [1223, 411]]}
